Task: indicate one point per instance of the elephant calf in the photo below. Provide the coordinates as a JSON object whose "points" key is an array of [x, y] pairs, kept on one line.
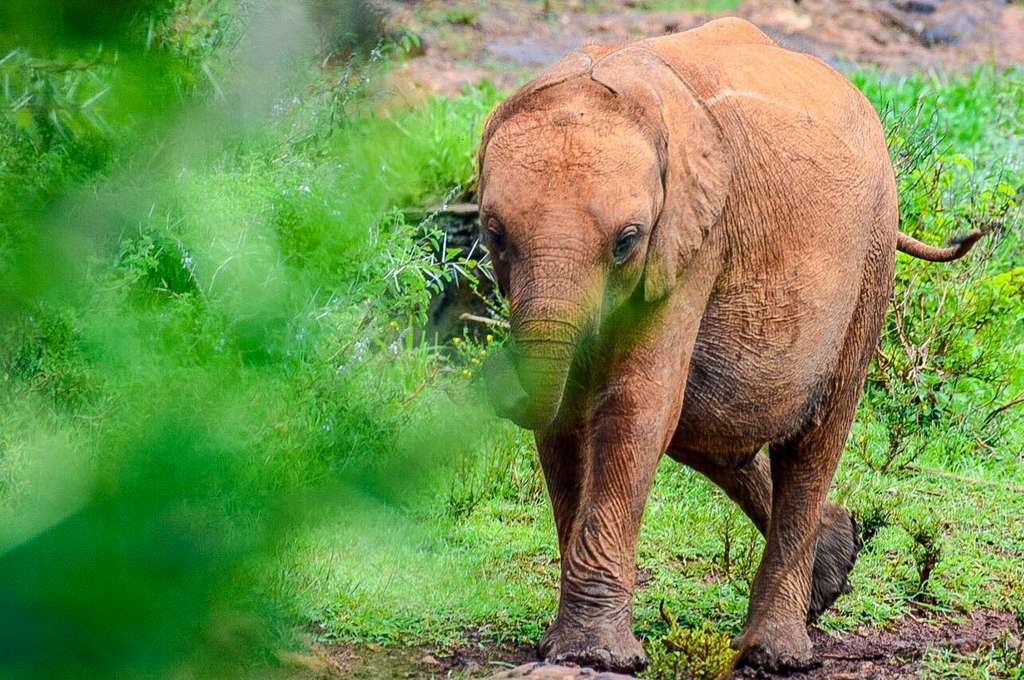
{"points": [[696, 234]]}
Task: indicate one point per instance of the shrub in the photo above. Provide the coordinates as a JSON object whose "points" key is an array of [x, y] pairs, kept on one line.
{"points": [[700, 653]]}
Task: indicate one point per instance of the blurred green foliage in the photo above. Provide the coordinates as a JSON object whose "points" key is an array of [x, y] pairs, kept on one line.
{"points": [[205, 350]]}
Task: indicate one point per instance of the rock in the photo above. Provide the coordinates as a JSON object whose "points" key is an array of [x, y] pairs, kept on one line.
{"points": [[951, 29], [546, 671], [916, 6]]}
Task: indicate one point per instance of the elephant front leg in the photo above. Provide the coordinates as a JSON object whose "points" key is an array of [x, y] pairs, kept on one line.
{"points": [[630, 425], [775, 636], [561, 458], [594, 626]]}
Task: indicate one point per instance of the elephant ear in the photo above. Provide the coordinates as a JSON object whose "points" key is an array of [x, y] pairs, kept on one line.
{"points": [[696, 166]]}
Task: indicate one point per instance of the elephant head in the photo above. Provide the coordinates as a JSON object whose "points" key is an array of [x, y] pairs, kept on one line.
{"points": [[596, 190]]}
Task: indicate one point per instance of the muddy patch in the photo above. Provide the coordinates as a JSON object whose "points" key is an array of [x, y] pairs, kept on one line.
{"points": [[894, 651], [476, 658]]}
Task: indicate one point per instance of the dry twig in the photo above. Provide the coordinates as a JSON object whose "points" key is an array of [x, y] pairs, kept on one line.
{"points": [[483, 319]]}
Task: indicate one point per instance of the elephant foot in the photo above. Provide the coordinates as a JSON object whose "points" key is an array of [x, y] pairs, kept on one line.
{"points": [[839, 543], [776, 649], [604, 646]]}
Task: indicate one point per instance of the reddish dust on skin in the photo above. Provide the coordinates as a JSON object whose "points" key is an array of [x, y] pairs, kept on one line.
{"points": [[506, 40]]}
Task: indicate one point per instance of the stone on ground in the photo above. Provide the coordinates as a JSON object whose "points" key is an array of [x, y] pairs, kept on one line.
{"points": [[547, 671]]}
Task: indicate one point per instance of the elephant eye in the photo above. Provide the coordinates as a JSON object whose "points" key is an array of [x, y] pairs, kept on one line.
{"points": [[625, 242], [495, 234]]}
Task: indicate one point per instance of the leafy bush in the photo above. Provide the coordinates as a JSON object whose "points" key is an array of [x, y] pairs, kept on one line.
{"points": [[950, 354], [206, 336]]}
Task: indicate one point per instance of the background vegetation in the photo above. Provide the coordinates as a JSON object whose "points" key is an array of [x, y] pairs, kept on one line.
{"points": [[220, 436]]}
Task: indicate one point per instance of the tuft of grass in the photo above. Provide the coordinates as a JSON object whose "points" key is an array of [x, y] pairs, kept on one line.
{"points": [[1002, 658], [461, 16], [926, 535], [875, 517], [700, 653]]}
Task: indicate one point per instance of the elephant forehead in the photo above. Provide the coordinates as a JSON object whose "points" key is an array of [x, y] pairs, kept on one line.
{"points": [[599, 165], [573, 143]]}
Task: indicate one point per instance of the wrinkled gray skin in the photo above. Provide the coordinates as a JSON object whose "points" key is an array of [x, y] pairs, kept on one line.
{"points": [[696, 235]]}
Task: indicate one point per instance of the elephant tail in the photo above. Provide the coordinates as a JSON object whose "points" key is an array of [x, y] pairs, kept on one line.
{"points": [[958, 247]]}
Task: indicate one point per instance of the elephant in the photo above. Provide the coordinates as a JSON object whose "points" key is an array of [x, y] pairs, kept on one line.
{"points": [[696, 236]]}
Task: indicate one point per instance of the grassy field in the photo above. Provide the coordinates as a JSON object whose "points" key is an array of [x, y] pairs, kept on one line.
{"points": [[219, 436]]}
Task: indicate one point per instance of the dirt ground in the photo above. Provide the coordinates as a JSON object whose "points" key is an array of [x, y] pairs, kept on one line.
{"points": [[896, 652], [507, 40], [882, 654]]}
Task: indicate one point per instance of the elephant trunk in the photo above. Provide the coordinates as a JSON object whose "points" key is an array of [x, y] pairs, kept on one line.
{"points": [[527, 383]]}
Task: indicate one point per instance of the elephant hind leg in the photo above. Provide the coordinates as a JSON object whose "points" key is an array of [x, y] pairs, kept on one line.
{"points": [[839, 543], [746, 479], [749, 484], [802, 467], [775, 637]]}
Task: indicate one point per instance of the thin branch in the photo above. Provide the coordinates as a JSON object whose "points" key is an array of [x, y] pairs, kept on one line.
{"points": [[483, 319], [1019, 399]]}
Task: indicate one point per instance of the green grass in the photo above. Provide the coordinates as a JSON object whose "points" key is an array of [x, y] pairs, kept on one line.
{"points": [[1002, 658], [214, 419]]}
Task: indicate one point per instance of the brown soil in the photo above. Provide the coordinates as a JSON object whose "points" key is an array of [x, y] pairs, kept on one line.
{"points": [[477, 659], [886, 653], [896, 651], [506, 40]]}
